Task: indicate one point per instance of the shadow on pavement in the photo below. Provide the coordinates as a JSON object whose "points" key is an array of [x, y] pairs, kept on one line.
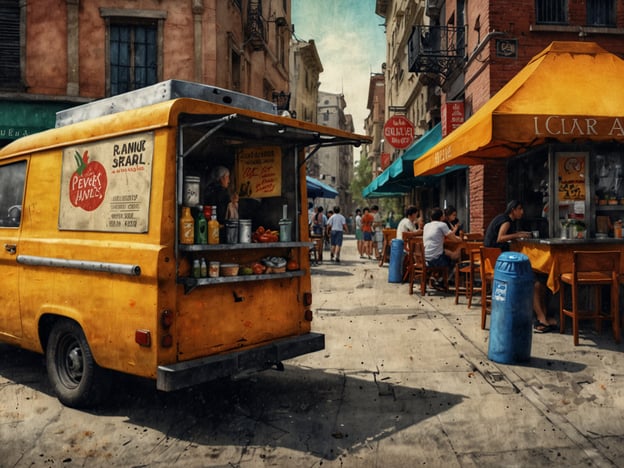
{"points": [[307, 410]]}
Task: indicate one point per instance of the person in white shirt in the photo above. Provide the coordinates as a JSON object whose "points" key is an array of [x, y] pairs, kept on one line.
{"points": [[337, 226], [410, 222], [435, 233]]}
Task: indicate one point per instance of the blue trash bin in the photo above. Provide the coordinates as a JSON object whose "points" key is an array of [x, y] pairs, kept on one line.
{"points": [[511, 330], [395, 267]]}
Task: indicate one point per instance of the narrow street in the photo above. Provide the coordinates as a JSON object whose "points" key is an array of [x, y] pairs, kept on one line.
{"points": [[403, 381]]}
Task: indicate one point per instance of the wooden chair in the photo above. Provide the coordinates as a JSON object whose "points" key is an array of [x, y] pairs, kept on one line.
{"points": [[487, 262], [420, 270], [466, 274], [388, 235], [408, 262], [318, 248], [592, 270]]}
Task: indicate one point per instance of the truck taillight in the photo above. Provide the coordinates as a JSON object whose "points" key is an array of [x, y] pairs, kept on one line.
{"points": [[166, 341], [143, 337], [308, 315], [166, 318], [307, 299]]}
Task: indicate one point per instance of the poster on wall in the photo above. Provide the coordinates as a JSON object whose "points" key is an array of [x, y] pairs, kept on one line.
{"points": [[571, 171], [106, 185], [259, 172]]}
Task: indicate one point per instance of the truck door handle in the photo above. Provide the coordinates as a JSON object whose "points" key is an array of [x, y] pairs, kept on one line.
{"points": [[11, 248]]}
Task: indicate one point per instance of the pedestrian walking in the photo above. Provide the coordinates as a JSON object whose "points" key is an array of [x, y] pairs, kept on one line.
{"points": [[336, 226]]}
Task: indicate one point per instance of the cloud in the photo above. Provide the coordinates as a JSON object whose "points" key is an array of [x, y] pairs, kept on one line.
{"points": [[351, 45]]}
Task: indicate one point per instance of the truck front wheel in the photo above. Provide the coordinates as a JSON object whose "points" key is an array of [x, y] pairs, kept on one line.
{"points": [[77, 380]]}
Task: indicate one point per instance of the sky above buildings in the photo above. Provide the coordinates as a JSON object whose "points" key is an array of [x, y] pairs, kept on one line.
{"points": [[350, 40]]}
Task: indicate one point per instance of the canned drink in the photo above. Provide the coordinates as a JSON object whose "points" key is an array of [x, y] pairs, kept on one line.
{"points": [[213, 269], [231, 231], [244, 231], [191, 190]]}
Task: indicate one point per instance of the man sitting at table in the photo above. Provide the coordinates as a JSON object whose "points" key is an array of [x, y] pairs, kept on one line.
{"points": [[498, 234], [435, 232], [411, 222]]}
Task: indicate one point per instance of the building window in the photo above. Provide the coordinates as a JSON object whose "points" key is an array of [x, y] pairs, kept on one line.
{"points": [[10, 76], [551, 11], [601, 12], [134, 41], [133, 57], [236, 71]]}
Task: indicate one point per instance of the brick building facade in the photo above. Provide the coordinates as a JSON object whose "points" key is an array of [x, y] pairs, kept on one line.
{"points": [[58, 53], [499, 39]]}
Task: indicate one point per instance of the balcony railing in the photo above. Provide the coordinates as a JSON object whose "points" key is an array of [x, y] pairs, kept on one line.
{"points": [[255, 29], [438, 50]]}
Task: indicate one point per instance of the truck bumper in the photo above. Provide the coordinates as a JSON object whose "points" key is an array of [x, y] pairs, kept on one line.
{"points": [[188, 373]]}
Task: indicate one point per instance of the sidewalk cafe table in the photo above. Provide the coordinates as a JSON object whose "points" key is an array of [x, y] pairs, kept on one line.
{"points": [[555, 256]]}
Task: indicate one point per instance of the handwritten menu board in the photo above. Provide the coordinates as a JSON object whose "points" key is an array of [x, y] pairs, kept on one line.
{"points": [[571, 168], [259, 172]]}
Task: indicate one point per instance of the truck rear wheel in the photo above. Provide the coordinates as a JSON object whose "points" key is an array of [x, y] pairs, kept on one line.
{"points": [[77, 380]]}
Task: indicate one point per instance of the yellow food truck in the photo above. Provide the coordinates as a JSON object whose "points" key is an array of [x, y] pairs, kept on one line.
{"points": [[104, 271]]}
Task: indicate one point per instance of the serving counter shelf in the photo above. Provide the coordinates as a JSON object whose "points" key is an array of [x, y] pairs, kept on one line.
{"points": [[191, 283], [242, 246], [558, 241]]}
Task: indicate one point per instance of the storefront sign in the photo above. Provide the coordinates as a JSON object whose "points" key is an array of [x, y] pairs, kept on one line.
{"points": [[385, 160], [259, 172], [399, 132], [507, 48], [106, 186], [452, 114]]}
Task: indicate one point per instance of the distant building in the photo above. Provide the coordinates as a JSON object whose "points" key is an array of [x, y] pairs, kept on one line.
{"points": [[373, 125], [335, 163], [305, 68], [56, 57]]}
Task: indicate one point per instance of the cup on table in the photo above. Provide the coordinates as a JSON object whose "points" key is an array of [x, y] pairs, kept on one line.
{"points": [[535, 234]]}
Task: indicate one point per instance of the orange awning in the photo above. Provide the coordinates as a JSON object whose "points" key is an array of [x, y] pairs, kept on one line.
{"points": [[571, 92]]}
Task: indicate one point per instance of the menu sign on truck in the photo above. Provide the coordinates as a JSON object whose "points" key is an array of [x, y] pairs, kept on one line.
{"points": [[259, 172], [105, 186]]}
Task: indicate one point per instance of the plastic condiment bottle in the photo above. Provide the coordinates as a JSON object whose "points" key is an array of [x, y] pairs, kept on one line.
{"points": [[201, 228], [187, 226], [213, 228]]}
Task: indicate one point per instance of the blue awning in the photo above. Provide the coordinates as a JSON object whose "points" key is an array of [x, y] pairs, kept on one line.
{"points": [[398, 178], [316, 188]]}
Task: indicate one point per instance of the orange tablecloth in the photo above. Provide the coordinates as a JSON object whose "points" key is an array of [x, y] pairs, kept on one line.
{"points": [[555, 258]]}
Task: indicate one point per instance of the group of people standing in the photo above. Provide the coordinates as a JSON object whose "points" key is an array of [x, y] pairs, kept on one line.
{"points": [[332, 228], [368, 232]]}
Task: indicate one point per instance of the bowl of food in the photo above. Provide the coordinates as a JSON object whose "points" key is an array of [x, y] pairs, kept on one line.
{"points": [[229, 269]]}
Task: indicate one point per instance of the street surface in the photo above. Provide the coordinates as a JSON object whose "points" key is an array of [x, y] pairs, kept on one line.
{"points": [[403, 381]]}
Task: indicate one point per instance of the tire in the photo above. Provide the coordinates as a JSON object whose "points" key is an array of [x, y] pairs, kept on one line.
{"points": [[77, 380]]}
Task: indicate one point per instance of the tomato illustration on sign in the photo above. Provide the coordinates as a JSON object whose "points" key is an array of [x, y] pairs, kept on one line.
{"points": [[87, 185]]}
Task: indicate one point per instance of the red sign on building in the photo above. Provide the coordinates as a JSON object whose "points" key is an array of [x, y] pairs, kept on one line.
{"points": [[399, 132], [452, 114], [385, 160]]}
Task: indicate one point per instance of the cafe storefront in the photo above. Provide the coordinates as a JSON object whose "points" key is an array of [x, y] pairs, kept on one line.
{"points": [[557, 130], [555, 136]]}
